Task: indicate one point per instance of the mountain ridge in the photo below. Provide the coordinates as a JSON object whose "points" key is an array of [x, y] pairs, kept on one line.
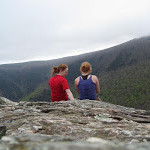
{"points": [[129, 56]]}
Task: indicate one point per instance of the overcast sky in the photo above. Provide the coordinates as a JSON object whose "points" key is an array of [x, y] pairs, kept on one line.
{"points": [[48, 29]]}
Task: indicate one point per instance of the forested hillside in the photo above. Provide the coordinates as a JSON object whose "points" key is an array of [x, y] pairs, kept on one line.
{"points": [[19, 80], [123, 71]]}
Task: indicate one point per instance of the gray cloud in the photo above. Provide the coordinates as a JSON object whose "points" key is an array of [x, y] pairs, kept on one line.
{"points": [[46, 29]]}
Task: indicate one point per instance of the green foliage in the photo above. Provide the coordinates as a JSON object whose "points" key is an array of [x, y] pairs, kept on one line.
{"points": [[41, 93], [120, 61], [123, 71], [129, 86]]}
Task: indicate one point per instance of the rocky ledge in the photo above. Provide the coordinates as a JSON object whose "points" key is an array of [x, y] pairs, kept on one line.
{"points": [[89, 125]]}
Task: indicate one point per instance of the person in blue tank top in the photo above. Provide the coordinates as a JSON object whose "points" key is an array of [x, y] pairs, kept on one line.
{"points": [[87, 85]]}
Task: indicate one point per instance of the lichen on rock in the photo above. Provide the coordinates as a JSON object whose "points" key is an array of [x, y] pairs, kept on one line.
{"points": [[82, 124]]}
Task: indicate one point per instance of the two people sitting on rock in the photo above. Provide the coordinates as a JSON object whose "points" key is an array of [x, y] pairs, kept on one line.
{"points": [[87, 85]]}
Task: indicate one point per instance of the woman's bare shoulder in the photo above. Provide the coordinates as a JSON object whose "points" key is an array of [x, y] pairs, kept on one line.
{"points": [[77, 79], [94, 76]]}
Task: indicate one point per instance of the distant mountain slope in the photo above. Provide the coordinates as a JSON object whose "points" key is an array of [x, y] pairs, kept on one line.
{"points": [[19, 80], [123, 72], [129, 86]]}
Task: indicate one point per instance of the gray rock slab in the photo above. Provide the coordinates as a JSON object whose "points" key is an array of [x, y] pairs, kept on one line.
{"points": [[74, 124], [2, 131], [45, 142]]}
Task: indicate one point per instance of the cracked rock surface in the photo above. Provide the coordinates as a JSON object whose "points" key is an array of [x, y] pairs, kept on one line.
{"points": [[74, 124]]}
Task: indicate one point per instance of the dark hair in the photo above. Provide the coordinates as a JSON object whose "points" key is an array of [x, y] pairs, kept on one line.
{"points": [[61, 67]]}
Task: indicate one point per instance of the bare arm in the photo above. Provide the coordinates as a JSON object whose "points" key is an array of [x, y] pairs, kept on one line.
{"points": [[96, 81], [69, 93], [76, 85], [97, 86]]}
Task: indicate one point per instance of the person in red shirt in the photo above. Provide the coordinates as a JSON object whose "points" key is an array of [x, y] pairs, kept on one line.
{"points": [[58, 84]]}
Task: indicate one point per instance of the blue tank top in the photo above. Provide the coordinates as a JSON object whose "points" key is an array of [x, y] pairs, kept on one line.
{"points": [[87, 89]]}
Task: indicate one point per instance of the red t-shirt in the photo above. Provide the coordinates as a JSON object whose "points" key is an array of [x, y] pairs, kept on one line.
{"points": [[58, 85]]}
